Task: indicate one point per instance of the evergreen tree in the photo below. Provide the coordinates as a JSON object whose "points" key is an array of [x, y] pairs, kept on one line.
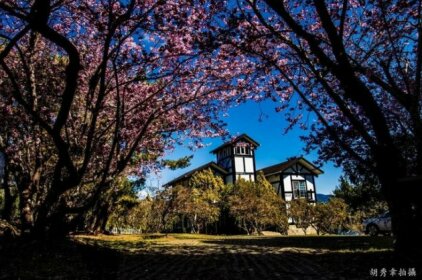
{"points": [[330, 217], [256, 206], [199, 202]]}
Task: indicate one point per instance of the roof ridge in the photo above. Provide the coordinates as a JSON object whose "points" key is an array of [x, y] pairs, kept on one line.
{"points": [[243, 135], [190, 172], [285, 164]]}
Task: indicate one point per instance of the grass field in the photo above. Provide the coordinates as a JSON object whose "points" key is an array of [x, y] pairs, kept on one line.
{"points": [[186, 256]]}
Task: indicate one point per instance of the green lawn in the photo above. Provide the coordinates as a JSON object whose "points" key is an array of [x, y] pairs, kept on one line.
{"points": [[193, 256]]}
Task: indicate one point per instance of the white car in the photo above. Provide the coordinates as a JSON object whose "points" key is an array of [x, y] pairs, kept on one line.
{"points": [[380, 224]]}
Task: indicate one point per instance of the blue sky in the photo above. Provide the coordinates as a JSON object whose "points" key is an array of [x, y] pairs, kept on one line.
{"points": [[263, 124]]}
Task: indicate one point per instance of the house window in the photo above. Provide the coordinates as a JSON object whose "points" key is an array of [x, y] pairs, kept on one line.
{"points": [[243, 150], [299, 188]]}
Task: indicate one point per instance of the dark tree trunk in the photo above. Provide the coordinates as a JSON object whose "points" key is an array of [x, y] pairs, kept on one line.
{"points": [[9, 198], [50, 218], [91, 221], [25, 188], [403, 196], [406, 213], [184, 224], [99, 217], [102, 216]]}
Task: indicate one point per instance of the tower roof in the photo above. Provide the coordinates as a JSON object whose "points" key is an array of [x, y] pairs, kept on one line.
{"points": [[243, 137]]}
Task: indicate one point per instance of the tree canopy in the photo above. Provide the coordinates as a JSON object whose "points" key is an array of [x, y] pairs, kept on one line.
{"points": [[92, 90], [256, 206], [200, 200]]}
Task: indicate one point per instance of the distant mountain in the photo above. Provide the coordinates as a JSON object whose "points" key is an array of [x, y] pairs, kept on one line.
{"points": [[323, 198]]}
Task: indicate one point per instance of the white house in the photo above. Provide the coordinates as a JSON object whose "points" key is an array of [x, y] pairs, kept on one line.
{"points": [[292, 179]]}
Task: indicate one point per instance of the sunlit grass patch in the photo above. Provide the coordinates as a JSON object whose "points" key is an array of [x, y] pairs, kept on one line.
{"points": [[112, 238], [135, 242], [345, 244], [195, 236], [129, 242]]}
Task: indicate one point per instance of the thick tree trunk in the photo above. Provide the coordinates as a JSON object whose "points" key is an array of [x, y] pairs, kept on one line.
{"points": [[9, 198], [403, 196], [25, 204], [183, 223], [50, 217], [92, 221], [406, 213], [102, 215], [99, 217]]}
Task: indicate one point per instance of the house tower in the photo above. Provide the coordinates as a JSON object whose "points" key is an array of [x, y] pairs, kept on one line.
{"points": [[238, 158]]}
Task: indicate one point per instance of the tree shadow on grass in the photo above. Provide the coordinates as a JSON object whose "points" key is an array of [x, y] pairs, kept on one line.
{"points": [[55, 259], [229, 258]]}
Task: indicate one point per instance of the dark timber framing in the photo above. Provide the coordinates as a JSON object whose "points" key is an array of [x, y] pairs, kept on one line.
{"points": [[233, 154], [295, 167]]}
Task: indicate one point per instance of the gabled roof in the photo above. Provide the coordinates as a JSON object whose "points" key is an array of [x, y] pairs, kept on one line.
{"points": [[243, 136], [188, 174], [286, 164]]}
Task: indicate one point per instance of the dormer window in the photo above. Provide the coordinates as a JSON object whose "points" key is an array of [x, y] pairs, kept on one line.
{"points": [[243, 150]]}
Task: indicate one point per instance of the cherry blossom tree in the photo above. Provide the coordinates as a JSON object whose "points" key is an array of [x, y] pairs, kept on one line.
{"points": [[350, 73], [92, 90]]}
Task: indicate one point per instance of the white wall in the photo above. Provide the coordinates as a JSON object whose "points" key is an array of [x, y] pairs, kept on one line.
{"points": [[238, 162], [245, 177], [288, 197], [298, 177], [287, 183], [249, 165]]}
